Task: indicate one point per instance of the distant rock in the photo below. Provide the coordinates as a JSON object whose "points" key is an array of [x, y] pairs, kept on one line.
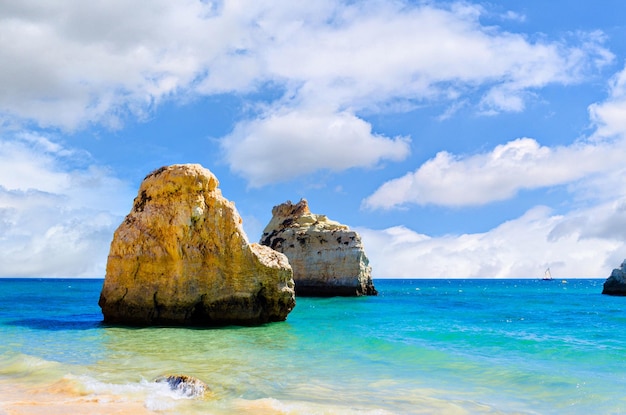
{"points": [[186, 386], [181, 257], [327, 258], [616, 283]]}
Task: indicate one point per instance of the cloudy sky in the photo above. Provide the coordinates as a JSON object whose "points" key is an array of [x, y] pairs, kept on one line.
{"points": [[474, 139]]}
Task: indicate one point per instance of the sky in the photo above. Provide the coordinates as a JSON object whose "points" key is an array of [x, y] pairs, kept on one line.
{"points": [[470, 139]]}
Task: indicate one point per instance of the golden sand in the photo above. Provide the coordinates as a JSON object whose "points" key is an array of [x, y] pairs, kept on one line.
{"points": [[63, 398]]}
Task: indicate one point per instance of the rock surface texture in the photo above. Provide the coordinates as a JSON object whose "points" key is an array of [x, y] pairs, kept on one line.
{"points": [[327, 258], [181, 257], [616, 283]]}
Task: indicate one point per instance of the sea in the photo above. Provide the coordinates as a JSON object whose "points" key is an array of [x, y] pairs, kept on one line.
{"points": [[422, 346]]}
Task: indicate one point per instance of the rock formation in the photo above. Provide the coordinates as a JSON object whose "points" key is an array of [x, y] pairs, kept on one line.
{"points": [[616, 283], [327, 258], [181, 257]]}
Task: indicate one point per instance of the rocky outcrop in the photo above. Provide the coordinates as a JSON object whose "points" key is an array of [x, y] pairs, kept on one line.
{"points": [[181, 257], [616, 283], [327, 257]]}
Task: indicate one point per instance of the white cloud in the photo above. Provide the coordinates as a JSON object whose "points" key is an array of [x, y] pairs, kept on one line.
{"points": [[377, 54], [497, 175], [57, 211], [502, 98], [573, 246], [609, 117], [43, 238], [70, 63], [511, 15], [592, 168], [283, 146], [384, 50]]}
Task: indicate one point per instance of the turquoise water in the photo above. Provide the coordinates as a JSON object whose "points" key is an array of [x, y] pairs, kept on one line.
{"points": [[419, 347]]}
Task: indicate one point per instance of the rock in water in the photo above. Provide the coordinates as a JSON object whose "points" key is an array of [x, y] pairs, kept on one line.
{"points": [[184, 385], [181, 257], [616, 283], [327, 258]]}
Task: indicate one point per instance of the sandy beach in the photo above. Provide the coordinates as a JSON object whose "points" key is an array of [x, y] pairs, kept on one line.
{"points": [[62, 398]]}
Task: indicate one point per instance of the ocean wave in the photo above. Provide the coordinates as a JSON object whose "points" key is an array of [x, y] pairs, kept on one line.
{"points": [[19, 365], [156, 396]]}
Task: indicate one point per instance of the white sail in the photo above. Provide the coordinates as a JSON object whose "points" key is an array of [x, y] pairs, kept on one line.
{"points": [[547, 275]]}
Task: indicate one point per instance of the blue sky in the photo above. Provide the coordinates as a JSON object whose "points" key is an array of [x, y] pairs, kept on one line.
{"points": [[460, 139]]}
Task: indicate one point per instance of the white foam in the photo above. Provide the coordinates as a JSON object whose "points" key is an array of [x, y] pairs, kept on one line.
{"points": [[155, 396], [159, 403]]}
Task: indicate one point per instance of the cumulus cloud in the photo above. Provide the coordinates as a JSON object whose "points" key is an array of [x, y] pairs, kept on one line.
{"points": [[469, 180], [427, 53], [479, 179], [70, 63], [573, 246], [375, 51], [282, 146], [57, 210]]}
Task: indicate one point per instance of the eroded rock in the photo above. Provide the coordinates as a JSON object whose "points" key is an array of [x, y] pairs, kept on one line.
{"points": [[616, 283], [327, 258], [181, 257], [186, 386]]}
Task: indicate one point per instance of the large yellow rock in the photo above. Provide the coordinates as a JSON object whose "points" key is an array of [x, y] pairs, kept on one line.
{"points": [[181, 257], [328, 259]]}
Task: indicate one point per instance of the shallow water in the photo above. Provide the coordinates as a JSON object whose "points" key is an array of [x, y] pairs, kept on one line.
{"points": [[420, 347]]}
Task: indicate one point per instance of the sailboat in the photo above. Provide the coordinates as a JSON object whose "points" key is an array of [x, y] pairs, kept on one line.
{"points": [[547, 276]]}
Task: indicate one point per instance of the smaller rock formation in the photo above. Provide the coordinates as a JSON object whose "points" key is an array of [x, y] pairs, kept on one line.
{"points": [[181, 257], [616, 283], [327, 257], [186, 386]]}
